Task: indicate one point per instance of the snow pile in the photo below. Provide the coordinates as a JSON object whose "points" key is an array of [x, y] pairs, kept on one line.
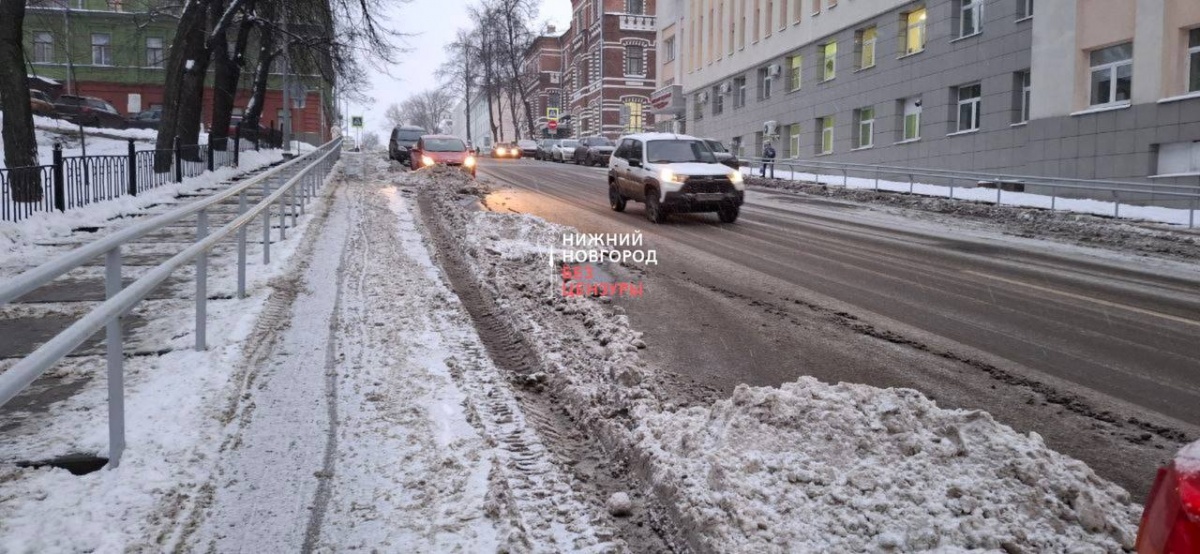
{"points": [[853, 468], [808, 467], [1188, 459]]}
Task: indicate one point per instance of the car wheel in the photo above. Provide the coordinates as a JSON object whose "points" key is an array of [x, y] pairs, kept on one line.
{"points": [[654, 210], [728, 214], [615, 200]]}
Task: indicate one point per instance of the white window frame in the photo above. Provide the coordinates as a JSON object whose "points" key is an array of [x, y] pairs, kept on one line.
{"points": [[105, 50], [912, 109], [794, 140], [1026, 10], [669, 49], [827, 126], [718, 102], [161, 60], [739, 91], [919, 27], [639, 4], [865, 127], [43, 50], [764, 83], [828, 63], [1193, 51], [1113, 69], [635, 114], [974, 102], [970, 10], [796, 78], [867, 45], [640, 70], [1026, 94]]}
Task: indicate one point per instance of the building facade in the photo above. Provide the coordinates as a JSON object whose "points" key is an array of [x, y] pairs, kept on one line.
{"points": [[117, 51], [599, 74], [1104, 89]]}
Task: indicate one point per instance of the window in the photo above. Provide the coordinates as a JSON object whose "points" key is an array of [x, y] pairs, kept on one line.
{"points": [[1112, 75], [910, 128], [718, 101], [669, 50], [757, 20], [698, 106], [829, 68], [968, 107], [43, 47], [970, 17], [797, 7], [864, 45], [914, 32], [794, 140], [864, 128], [795, 69], [1024, 9], [154, 52], [832, 3], [1179, 158], [101, 49], [1193, 73], [739, 92], [1021, 86], [825, 144], [631, 112], [764, 83], [770, 15], [633, 60], [635, 7], [816, 9], [552, 100]]}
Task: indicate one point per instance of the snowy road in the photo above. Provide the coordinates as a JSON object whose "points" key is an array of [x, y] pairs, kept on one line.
{"points": [[1094, 350]]}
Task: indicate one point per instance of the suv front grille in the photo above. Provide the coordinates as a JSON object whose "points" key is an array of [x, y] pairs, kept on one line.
{"points": [[700, 185]]}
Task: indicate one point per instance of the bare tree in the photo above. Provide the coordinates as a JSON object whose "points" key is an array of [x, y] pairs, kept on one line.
{"points": [[427, 109], [394, 116], [460, 70], [369, 142], [514, 19]]}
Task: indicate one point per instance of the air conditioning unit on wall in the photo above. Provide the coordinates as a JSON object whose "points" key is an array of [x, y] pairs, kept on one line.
{"points": [[725, 87], [774, 70], [769, 128], [703, 97]]}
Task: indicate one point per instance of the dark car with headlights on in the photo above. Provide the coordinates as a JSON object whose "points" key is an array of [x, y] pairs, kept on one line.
{"points": [[593, 151], [723, 155], [506, 150], [431, 150]]}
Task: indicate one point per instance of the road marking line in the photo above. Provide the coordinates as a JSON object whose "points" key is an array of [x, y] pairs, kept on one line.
{"points": [[1087, 298]]}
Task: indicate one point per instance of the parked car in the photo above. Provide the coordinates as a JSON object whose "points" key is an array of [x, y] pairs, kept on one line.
{"points": [[544, 146], [41, 104], [404, 138], [528, 147], [89, 111], [723, 154], [149, 119], [506, 150], [564, 150], [672, 173], [1171, 517], [431, 150], [593, 151]]}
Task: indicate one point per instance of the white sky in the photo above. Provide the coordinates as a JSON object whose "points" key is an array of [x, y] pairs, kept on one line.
{"points": [[433, 24]]}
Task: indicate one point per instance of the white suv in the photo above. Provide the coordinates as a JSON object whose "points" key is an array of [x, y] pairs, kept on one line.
{"points": [[672, 173]]}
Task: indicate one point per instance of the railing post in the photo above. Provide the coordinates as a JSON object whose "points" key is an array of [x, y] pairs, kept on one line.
{"points": [[845, 179], [209, 154], [241, 248], [132, 167], [60, 188], [1053, 198], [910, 184], [178, 160], [237, 145], [115, 358], [266, 241], [201, 283], [999, 189], [294, 196], [1116, 204], [282, 218], [1192, 215]]}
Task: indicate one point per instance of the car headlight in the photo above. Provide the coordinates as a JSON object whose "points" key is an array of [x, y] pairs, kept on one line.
{"points": [[426, 160], [470, 161], [736, 177], [668, 176], [501, 151]]}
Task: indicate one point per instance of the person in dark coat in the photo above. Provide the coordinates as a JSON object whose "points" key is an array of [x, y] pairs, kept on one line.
{"points": [[768, 159]]}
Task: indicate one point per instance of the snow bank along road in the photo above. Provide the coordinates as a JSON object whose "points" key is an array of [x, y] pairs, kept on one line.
{"points": [[1093, 349]]}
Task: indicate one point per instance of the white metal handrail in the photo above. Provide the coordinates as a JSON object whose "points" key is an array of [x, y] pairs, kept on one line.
{"points": [[296, 191]]}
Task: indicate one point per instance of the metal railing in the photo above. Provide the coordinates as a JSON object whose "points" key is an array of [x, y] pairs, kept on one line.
{"points": [[290, 199], [1182, 197]]}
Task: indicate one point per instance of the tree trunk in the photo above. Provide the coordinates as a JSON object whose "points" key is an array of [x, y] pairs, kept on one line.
{"points": [[512, 110], [20, 144], [266, 56], [183, 93], [228, 72]]}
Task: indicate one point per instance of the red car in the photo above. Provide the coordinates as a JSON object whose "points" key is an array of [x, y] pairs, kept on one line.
{"points": [[1171, 520], [442, 150]]}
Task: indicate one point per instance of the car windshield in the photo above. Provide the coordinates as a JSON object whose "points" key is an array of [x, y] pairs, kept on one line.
{"points": [[569, 143], [677, 151], [599, 141], [715, 146], [445, 145], [409, 136]]}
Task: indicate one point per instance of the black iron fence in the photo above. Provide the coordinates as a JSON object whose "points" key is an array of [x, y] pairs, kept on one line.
{"points": [[74, 181]]}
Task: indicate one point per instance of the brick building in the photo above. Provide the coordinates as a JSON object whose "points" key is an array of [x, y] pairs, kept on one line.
{"points": [[118, 50], [599, 74]]}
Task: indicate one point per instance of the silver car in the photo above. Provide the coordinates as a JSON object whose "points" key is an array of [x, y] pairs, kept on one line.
{"points": [[564, 150]]}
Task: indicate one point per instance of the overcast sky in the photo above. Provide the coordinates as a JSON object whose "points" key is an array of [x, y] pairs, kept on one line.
{"points": [[432, 24]]}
